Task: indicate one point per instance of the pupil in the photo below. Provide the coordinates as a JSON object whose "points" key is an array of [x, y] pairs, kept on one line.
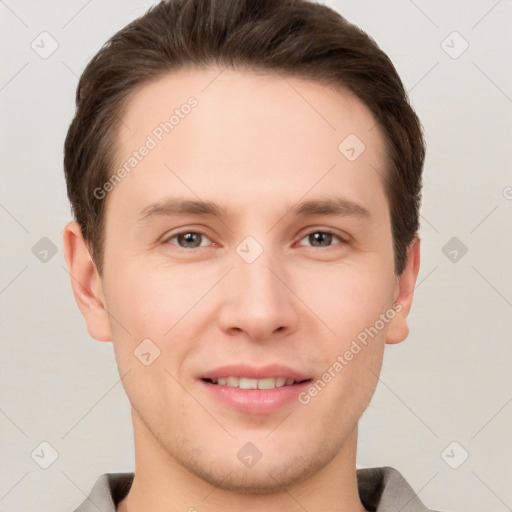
{"points": [[325, 237], [189, 239]]}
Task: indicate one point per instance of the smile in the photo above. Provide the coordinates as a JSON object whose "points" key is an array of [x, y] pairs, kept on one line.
{"points": [[250, 383]]}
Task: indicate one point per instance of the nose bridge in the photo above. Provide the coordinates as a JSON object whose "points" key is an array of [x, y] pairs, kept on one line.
{"points": [[259, 284], [257, 301]]}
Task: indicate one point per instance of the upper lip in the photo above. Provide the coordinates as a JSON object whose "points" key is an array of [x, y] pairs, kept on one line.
{"points": [[253, 372]]}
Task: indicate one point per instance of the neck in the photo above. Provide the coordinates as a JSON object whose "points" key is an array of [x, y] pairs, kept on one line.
{"points": [[162, 484]]}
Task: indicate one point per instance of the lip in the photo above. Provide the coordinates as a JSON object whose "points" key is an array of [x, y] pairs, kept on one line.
{"points": [[254, 401], [253, 372]]}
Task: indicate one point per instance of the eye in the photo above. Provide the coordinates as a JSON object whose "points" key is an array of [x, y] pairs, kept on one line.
{"points": [[193, 239], [187, 239], [321, 238]]}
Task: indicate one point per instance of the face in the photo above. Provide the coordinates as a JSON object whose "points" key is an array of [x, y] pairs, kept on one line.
{"points": [[279, 278]]}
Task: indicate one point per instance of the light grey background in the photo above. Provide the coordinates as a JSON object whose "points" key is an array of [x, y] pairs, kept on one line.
{"points": [[449, 381]]}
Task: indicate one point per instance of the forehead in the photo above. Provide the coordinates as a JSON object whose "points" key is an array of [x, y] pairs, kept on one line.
{"points": [[233, 132], [240, 96]]}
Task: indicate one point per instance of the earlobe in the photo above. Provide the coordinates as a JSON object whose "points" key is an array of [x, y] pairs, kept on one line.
{"points": [[86, 283], [398, 329]]}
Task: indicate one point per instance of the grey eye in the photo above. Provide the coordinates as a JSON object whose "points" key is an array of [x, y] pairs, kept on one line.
{"points": [[188, 239], [321, 238]]}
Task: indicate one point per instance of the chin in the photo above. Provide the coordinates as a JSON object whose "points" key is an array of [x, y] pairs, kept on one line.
{"points": [[265, 479], [275, 469]]}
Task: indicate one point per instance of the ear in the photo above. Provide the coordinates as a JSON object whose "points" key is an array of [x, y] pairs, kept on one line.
{"points": [[398, 329], [86, 283]]}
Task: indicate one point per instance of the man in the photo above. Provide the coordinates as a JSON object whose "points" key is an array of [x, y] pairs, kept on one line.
{"points": [[245, 178]]}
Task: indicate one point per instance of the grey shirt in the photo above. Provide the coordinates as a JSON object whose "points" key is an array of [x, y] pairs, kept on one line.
{"points": [[380, 490]]}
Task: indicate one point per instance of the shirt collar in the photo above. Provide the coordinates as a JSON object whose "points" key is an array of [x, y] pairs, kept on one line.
{"points": [[381, 489]]}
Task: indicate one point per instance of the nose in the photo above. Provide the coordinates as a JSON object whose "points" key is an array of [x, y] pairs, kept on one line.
{"points": [[258, 300]]}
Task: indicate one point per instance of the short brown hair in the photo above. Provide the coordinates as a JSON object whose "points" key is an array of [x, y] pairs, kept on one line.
{"points": [[295, 37]]}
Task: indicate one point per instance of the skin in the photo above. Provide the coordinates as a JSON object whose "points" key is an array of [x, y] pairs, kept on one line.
{"points": [[256, 146]]}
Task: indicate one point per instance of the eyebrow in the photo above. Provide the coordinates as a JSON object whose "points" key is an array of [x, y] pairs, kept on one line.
{"points": [[328, 206]]}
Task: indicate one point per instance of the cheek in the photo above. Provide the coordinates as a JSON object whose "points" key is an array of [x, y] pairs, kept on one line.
{"points": [[347, 298], [349, 301], [150, 302], [161, 305]]}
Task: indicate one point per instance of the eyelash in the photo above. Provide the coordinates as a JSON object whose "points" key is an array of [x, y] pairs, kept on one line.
{"points": [[327, 231]]}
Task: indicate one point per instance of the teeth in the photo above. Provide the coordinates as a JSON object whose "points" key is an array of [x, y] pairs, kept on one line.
{"points": [[271, 383], [248, 383], [245, 383]]}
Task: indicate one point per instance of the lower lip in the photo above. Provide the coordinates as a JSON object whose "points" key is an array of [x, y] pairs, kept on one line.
{"points": [[254, 401]]}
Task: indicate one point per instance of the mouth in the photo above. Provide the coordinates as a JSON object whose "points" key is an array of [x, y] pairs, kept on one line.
{"points": [[252, 390]]}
